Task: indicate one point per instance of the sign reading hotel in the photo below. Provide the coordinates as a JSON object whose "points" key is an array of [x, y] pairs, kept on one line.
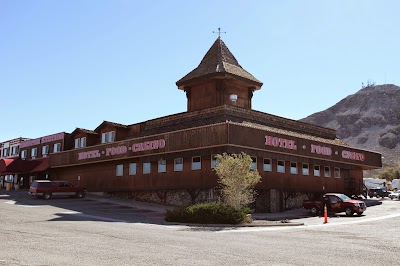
{"points": [[118, 150], [290, 144]]}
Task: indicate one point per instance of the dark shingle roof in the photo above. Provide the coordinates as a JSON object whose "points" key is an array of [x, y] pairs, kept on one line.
{"points": [[110, 123], [218, 60]]}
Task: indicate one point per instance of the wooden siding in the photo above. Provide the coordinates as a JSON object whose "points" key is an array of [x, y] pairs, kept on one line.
{"points": [[243, 136]]}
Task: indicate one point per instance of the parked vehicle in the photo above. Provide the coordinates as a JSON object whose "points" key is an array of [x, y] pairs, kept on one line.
{"points": [[46, 189], [395, 195], [379, 192], [335, 202], [374, 182], [395, 184]]}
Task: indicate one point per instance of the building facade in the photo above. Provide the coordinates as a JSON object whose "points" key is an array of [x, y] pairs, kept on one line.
{"points": [[32, 160], [171, 159]]}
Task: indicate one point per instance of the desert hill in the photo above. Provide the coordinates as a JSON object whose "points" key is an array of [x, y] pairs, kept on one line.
{"points": [[368, 119]]}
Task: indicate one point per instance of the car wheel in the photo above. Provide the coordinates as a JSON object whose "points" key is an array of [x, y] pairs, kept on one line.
{"points": [[47, 196], [314, 211], [359, 213], [81, 194], [349, 211]]}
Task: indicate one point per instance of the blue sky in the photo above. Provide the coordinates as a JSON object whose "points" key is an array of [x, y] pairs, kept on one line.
{"points": [[68, 64]]}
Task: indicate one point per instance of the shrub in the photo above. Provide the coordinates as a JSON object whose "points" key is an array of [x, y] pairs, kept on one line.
{"points": [[208, 213]]}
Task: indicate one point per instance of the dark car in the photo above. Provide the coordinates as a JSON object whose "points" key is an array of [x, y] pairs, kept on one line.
{"points": [[46, 189], [379, 192]]}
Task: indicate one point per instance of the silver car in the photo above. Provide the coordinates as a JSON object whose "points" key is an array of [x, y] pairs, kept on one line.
{"points": [[395, 195]]}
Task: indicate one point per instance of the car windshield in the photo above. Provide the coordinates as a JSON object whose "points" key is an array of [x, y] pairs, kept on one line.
{"points": [[343, 197], [398, 191]]}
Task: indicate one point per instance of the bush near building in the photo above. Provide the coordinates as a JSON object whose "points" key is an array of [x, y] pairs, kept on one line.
{"points": [[209, 213]]}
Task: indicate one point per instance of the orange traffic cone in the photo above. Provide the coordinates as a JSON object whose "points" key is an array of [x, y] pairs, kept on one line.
{"points": [[325, 215]]}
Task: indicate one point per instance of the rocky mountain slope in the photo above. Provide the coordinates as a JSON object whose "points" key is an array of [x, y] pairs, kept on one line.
{"points": [[368, 119]]}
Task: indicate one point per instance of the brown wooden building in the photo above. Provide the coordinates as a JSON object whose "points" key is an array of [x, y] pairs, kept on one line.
{"points": [[171, 159]]}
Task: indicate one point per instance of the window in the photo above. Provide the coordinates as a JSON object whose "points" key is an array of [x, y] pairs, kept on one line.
{"points": [[146, 168], [45, 150], [254, 163], [57, 147], [108, 137], [196, 163], [5, 152], [337, 172], [14, 150], [162, 166], [327, 171], [305, 169], [23, 154], [293, 168], [214, 161], [178, 164], [281, 166], [267, 166], [80, 142], [316, 170], [34, 152], [132, 169], [120, 170]]}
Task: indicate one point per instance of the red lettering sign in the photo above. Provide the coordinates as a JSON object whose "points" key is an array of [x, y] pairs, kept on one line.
{"points": [[88, 154], [321, 150], [148, 145], [351, 155], [280, 142]]}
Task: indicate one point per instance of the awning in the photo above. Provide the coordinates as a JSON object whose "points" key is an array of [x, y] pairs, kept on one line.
{"points": [[43, 165], [4, 164], [19, 166]]}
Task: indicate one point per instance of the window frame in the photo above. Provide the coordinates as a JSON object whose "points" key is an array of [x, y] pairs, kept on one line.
{"points": [[277, 167], [253, 165], [338, 171], [130, 168], [108, 137], [14, 150], [119, 170], [214, 161], [162, 168], [45, 150], [316, 171], [291, 168], [24, 154], [147, 168], [265, 169], [327, 173], [176, 164], [34, 154], [58, 144], [307, 168], [196, 165]]}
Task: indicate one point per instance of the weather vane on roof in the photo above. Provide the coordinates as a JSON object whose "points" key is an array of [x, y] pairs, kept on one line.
{"points": [[219, 32]]}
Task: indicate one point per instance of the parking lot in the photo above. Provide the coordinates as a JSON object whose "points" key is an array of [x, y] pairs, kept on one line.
{"points": [[103, 231]]}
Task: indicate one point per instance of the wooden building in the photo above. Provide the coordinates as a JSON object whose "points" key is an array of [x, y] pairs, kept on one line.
{"points": [[171, 159], [31, 160]]}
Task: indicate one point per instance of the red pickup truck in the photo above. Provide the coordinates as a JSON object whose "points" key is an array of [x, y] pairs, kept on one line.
{"points": [[335, 203], [46, 189]]}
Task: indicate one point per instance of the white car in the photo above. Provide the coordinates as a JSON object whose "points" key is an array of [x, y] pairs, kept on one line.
{"points": [[395, 195]]}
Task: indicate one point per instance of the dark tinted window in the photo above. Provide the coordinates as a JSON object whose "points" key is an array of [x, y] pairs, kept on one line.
{"points": [[44, 184]]}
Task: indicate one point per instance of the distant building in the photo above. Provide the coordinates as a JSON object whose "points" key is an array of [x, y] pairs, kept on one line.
{"points": [[171, 159], [30, 159]]}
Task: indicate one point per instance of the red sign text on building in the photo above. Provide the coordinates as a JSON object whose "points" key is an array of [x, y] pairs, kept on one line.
{"points": [[88, 154], [353, 155], [280, 142]]}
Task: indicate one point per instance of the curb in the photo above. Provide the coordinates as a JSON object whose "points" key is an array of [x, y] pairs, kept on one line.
{"points": [[272, 224]]}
